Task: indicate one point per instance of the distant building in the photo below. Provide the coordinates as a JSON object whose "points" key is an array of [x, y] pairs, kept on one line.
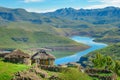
{"points": [[17, 56], [43, 58]]}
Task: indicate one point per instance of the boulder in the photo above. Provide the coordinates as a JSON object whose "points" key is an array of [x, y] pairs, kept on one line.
{"points": [[26, 75]]}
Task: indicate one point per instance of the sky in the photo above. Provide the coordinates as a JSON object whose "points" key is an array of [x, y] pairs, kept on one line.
{"points": [[42, 6]]}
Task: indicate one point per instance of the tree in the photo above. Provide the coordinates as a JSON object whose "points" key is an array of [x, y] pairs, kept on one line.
{"points": [[117, 67], [110, 64], [98, 61], [101, 61]]}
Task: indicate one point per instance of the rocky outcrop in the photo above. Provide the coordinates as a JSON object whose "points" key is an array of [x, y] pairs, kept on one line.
{"points": [[54, 77], [31, 74], [26, 75], [96, 73], [39, 72]]}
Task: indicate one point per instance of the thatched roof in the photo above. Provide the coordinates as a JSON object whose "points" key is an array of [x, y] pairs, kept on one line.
{"points": [[17, 54], [43, 55]]}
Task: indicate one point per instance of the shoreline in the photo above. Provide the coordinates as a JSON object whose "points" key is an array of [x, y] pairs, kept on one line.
{"points": [[85, 40]]}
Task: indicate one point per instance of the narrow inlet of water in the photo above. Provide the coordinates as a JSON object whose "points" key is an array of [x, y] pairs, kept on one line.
{"points": [[85, 40]]}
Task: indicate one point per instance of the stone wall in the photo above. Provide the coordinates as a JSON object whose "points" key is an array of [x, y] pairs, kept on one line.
{"points": [[94, 73], [51, 68]]}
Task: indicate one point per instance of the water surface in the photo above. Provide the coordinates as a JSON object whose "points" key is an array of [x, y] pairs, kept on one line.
{"points": [[74, 58]]}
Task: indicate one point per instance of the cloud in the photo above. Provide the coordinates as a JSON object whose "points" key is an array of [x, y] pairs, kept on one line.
{"points": [[104, 3], [40, 10], [111, 1], [28, 1]]}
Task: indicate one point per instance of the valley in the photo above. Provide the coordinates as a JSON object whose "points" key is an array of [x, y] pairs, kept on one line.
{"points": [[61, 32]]}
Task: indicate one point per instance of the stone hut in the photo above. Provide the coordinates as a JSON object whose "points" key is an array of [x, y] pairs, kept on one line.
{"points": [[43, 58], [17, 56]]}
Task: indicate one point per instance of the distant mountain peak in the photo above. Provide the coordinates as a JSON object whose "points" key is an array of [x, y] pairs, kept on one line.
{"points": [[19, 9], [65, 9], [111, 7]]}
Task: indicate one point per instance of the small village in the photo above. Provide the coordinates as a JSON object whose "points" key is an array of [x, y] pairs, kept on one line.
{"points": [[41, 61]]}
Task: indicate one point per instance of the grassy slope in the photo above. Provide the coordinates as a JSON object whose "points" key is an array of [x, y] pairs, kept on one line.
{"points": [[110, 36], [35, 39], [8, 69], [74, 74], [38, 36], [70, 74]]}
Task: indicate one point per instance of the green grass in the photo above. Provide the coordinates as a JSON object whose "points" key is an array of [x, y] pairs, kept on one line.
{"points": [[110, 36], [118, 78], [7, 70], [74, 74], [34, 39], [70, 74]]}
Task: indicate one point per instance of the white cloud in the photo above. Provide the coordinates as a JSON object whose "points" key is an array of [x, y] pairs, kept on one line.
{"points": [[39, 10], [110, 1], [27, 1], [104, 3], [96, 6]]}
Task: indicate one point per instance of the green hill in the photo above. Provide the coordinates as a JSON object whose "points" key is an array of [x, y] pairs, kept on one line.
{"points": [[25, 35], [15, 38], [110, 36]]}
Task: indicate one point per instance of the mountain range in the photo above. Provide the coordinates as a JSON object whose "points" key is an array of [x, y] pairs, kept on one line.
{"points": [[89, 17], [102, 16]]}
